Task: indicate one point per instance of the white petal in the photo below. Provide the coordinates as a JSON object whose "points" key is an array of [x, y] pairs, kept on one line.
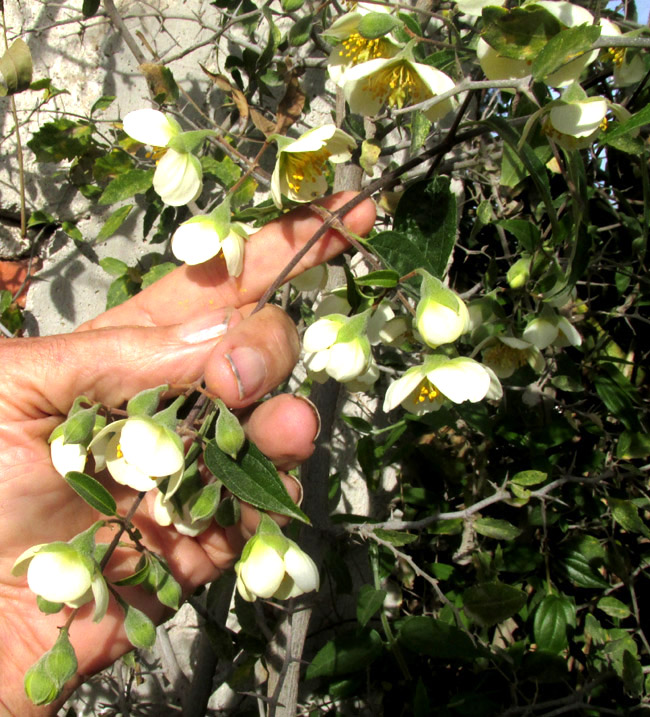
{"points": [[302, 569], [475, 7], [262, 571], [316, 362], [568, 334], [401, 389], [60, 576], [347, 361], [178, 178], [312, 279], [540, 333], [122, 472], [312, 140], [321, 334], [163, 510], [67, 456], [438, 324], [380, 317], [497, 67], [150, 127], [580, 119], [332, 304], [358, 92], [196, 241], [437, 82], [461, 379], [22, 561], [310, 188], [233, 252], [101, 595], [151, 448]]}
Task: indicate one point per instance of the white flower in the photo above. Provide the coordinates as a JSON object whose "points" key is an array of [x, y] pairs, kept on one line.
{"points": [[506, 354], [67, 457], [629, 68], [334, 303], [138, 451], [198, 239], [274, 566], [59, 573], [178, 178], [300, 164], [396, 82], [425, 388], [441, 315], [165, 513], [551, 329], [352, 47], [575, 125], [498, 67], [336, 349]]}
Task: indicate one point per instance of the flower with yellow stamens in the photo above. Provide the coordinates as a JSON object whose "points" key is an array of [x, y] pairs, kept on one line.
{"points": [[300, 164], [505, 354], [427, 387], [396, 82]]}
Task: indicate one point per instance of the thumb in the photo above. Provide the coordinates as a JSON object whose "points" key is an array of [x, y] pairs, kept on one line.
{"points": [[113, 364]]}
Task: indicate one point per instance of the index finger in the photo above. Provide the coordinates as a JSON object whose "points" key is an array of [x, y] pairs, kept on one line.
{"points": [[191, 290]]}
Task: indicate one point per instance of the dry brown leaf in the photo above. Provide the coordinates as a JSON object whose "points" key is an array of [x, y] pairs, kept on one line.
{"points": [[265, 126], [160, 80], [223, 83], [290, 107]]}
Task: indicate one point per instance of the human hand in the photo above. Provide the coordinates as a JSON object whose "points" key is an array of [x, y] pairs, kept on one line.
{"points": [[174, 332]]}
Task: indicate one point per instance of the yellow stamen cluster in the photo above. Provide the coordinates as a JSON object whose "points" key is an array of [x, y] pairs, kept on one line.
{"points": [[305, 165], [603, 124], [397, 86], [504, 358], [156, 153], [617, 55], [428, 392], [359, 49], [118, 451]]}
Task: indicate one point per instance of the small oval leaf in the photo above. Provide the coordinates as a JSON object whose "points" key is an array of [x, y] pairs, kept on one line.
{"points": [[92, 491]]}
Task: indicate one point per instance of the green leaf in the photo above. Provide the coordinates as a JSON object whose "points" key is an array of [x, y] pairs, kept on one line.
{"points": [[92, 491], [114, 222], [157, 272], [580, 567], [639, 119], [61, 139], [79, 427], [369, 601], [395, 537], [104, 102], [377, 24], [495, 528], [632, 674], [492, 603], [167, 588], [253, 478], [292, 5], [613, 607], [72, 230], [16, 68], [424, 229], [47, 607], [137, 577], [552, 617], [384, 278], [146, 402], [345, 654], [618, 394], [420, 128], [626, 514], [520, 33], [204, 505], [122, 289], [300, 32], [530, 477], [526, 233], [564, 47], [134, 181], [435, 638], [88, 9], [228, 512], [139, 629], [632, 445]]}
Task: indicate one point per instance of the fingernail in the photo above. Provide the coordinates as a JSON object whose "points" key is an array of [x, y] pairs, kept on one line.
{"points": [[312, 405], [249, 369], [206, 327]]}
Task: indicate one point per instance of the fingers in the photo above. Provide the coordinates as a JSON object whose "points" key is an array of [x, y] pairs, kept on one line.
{"points": [[192, 290], [111, 365]]}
